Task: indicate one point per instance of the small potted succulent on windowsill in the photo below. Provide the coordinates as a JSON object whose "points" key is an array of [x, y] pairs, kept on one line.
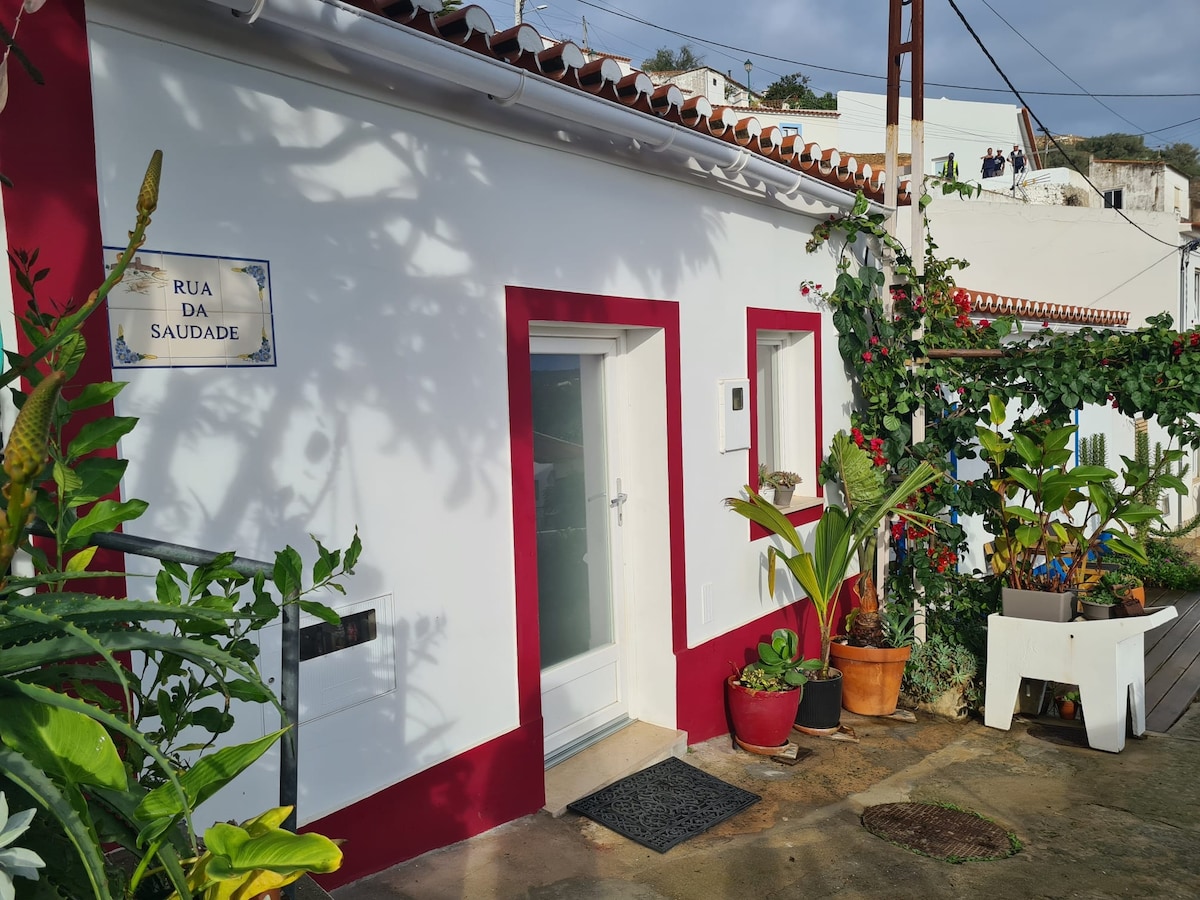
{"points": [[766, 489], [785, 486], [764, 695]]}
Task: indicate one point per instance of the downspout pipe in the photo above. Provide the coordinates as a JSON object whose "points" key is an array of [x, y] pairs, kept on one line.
{"points": [[358, 31]]}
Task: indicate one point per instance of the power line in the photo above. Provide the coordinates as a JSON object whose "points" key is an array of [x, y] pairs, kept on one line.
{"points": [[1060, 71], [1116, 288], [742, 51], [1049, 136]]}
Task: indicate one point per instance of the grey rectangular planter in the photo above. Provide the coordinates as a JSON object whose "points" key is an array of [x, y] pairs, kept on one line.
{"points": [[1045, 606]]}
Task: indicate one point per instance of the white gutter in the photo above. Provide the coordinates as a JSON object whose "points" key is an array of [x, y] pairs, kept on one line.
{"points": [[358, 31]]}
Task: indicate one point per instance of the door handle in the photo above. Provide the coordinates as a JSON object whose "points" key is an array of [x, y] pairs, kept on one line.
{"points": [[618, 503]]}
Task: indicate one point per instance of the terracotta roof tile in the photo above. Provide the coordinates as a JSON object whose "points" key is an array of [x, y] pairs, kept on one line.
{"points": [[521, 46], [999, 305]]}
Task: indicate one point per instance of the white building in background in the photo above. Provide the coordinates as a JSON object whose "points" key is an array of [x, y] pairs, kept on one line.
{"points": [[965, 128]]}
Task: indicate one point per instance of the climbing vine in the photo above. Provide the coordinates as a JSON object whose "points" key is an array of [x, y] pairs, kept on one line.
{"points": [[891, 353]]}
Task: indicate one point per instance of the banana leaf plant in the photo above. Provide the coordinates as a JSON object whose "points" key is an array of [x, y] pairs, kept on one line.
{"points": [[837, 541], [1051, 521]]}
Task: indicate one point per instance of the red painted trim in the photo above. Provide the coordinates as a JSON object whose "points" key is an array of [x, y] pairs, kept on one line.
{"points": [[48, 149], [526, 305], [785, 320], [450, 802], [701, 707], [505, 779]]}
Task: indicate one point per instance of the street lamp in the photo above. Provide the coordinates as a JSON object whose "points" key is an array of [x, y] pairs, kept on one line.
{"points": [[519, 10], [747, 65]]}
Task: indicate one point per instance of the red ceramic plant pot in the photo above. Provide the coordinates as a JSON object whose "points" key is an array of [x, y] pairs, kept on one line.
{"points": [[762, 718]]}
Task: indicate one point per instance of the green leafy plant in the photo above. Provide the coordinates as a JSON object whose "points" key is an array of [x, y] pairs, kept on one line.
{"points": [[779, 667], [1166, 566], [83, 735], [1052, 522], [916, 344], [837, 540], [899, 626], [257, 856]]}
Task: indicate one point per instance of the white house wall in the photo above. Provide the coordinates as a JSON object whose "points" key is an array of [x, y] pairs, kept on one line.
{"points": [[1089, 257], [963, 127], [391, 234]]}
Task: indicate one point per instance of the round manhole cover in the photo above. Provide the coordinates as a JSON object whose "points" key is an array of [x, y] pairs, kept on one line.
{"points": [[939, 831]]}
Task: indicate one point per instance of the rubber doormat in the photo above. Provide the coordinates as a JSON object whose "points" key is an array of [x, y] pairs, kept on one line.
{"points": [[665, 804], [953, 835]]}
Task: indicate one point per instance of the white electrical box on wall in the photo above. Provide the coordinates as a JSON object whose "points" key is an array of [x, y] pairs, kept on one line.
{"points": [[735, 414]]}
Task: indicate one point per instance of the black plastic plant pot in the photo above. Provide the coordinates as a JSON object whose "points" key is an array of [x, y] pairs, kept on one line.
{"points": [[821, 704]]}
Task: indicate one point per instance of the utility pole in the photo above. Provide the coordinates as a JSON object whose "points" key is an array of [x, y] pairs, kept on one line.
{"points": [[1185, 253], [897, 49]]}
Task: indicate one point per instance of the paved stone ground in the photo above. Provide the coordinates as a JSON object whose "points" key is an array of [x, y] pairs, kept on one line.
{"points": [[1093, 825]]}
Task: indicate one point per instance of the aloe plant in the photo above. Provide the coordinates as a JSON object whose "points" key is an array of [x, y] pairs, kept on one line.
{"points": [[83, 735]]}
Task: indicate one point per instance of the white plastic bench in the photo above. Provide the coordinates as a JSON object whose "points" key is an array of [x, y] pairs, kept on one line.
{"points": [[1106, 658]]}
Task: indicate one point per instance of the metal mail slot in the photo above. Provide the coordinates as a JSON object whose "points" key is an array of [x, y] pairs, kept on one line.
{"points": [[322, 639]]}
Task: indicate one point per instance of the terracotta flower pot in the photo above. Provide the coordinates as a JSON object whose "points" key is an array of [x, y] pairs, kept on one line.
{"points": [[1066, 709], [871, 677], [761, 718]]}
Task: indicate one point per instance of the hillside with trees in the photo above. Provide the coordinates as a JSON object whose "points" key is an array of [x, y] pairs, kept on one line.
{"points": [[794, 91], [1181, 156], [667, 60]]}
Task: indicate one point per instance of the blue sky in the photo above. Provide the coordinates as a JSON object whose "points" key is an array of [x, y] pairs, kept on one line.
{"points": [[1105, 46]]}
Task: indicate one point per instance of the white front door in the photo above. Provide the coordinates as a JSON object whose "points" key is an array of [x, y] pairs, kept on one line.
{"points": [[578, 508]]}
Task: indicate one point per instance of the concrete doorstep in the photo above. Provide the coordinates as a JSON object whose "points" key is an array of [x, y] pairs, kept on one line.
{"points": [[629, 750]]}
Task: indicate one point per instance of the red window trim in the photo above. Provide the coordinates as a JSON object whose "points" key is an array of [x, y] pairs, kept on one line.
{"points": [[784, 320]]}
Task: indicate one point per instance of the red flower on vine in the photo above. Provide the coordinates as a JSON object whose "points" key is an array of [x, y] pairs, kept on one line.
{"points": [[856, 436], [984, 323], [874, 340], [867, 356], [1194, 338], [883, 350]]}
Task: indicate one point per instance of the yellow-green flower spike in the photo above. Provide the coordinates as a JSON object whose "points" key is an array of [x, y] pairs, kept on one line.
{"points": [[27, 445], [148, 196]]}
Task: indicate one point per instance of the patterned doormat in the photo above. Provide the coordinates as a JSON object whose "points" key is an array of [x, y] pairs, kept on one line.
{"points": [[665, 804], [953, 835]]}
